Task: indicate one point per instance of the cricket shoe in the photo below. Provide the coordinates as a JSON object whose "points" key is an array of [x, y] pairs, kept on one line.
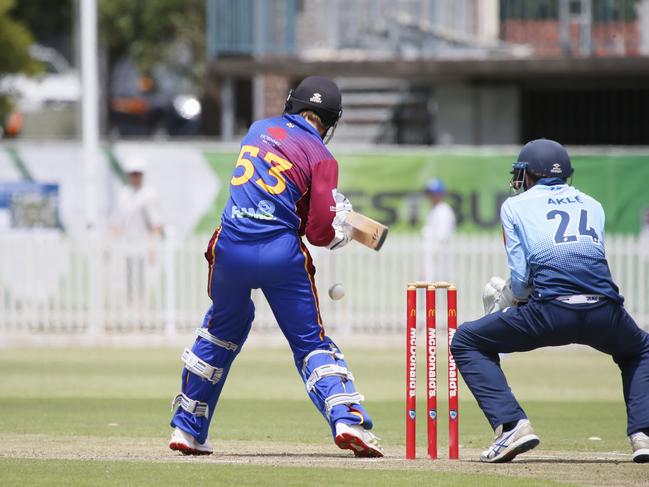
{"points": [[640, 445], [188, 445], [510, 443], [356, 438]]}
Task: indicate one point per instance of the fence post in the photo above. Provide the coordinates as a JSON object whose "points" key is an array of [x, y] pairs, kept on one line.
{"points": [[169, 247], [94, 253]]}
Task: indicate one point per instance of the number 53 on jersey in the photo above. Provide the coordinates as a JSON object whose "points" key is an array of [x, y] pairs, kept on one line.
{"points": [[277, 166]]}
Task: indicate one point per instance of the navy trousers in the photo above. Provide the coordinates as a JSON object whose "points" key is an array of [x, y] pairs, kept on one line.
{"points": [[605, 326]]}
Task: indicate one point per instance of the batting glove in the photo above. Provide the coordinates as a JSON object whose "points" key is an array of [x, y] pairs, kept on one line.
{"points": [[342, 229]]}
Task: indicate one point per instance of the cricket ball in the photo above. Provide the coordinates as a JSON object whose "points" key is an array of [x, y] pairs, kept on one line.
{"points": [[336, 291]]}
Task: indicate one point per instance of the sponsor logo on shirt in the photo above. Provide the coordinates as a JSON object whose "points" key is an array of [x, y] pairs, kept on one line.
{"points": [[269, 140], [278, 133], [265, 211], [275, 135]]}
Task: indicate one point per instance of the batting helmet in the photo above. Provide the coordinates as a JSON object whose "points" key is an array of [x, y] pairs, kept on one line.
{"points": [[319, 95], [541, 158]]}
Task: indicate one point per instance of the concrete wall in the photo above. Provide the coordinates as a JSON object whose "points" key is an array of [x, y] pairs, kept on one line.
{"points": [[480, 114]]}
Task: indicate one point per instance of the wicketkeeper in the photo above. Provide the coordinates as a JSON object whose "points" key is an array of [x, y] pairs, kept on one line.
{"points": [[560, 292], [284, 186]]}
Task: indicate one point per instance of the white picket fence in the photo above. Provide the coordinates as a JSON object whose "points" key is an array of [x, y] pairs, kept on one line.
{"points": [[57, 289]]}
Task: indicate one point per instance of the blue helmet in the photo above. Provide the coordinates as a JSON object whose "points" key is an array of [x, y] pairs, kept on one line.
{"points": [[541, 158], [435, 186]]}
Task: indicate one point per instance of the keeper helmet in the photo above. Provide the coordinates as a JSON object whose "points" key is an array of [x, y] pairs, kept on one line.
{"points": [[541, 158], [319, 95]]}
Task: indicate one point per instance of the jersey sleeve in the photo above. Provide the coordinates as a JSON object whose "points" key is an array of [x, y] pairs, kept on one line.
{"points": [[515, 253], [322, 209]]}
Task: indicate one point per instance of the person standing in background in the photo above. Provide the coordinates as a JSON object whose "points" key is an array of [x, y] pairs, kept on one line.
{"points": [[136, 214], [438, 231], [136, 221]]}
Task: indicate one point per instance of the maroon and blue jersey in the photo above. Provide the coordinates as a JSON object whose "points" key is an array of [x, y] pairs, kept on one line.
{"points": [[284, 180]]}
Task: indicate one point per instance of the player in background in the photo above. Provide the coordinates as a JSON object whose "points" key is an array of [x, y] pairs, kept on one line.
{"points": [[560, 292], [136, 220], [438, 232], [284, 186], [136, 214]]}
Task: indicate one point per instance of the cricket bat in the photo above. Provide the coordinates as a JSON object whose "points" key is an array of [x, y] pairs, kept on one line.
{"points": [[366, 231]]}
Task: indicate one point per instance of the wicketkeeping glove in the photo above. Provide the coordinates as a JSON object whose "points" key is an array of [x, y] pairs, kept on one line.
{"points": [[497, 295]]}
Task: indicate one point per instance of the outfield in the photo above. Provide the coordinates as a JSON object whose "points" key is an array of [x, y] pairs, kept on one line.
{"points": [[99, 417]]}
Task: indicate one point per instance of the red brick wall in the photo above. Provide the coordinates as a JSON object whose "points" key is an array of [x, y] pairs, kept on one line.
{"points": [[275, 92], [609, 38]]}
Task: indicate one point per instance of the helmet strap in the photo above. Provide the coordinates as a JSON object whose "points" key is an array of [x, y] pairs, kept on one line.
{"points": [[287, 104]]}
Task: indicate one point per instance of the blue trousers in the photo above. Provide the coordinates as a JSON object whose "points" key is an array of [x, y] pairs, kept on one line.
{"points": [[282, 268], [605, 326]]}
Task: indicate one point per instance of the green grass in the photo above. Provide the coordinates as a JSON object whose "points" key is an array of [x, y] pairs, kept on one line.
{"points": [[569, 394], [67, 473]]}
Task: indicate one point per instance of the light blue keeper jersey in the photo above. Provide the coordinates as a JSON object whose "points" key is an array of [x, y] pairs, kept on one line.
{"points": [[554, 236]]}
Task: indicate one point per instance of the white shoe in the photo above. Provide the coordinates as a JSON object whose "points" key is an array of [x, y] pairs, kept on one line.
{"points": [[640, 445], [358, 439], [187, 445], [511, 443]]}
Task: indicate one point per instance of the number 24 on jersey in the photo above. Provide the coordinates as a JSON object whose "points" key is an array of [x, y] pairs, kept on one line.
{"points": [[561, 236]]}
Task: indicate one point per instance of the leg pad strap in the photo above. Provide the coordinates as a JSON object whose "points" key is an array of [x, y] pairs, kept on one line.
{"points": [[325, 371], [191, 406], [341, 399], [334, 353], [203, 333], [199, 367]]}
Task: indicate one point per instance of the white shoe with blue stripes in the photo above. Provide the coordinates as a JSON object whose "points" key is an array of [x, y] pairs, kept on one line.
{"points": [[508, 444], [640, 445]]}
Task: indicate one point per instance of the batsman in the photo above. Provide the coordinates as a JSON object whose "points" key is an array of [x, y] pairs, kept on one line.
{"points": [[560, 292], [283, 187]]}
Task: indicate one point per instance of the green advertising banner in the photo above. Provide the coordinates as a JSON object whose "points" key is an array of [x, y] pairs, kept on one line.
{"points": [[388, 186]]}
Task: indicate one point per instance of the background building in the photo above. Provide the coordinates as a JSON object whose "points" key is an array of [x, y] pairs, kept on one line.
{"points": [[443, 71]]}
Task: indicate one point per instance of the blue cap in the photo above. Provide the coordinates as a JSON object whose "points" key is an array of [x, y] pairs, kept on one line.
{"points": [[545, 158], [435, 186]]}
